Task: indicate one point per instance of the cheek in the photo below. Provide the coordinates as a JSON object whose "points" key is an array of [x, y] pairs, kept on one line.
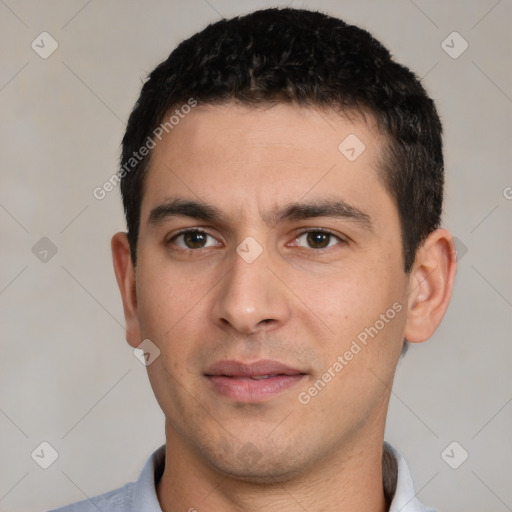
{"points": [[349, 295], [164, 301], [173, 310], [169, 319], [361, 311]]}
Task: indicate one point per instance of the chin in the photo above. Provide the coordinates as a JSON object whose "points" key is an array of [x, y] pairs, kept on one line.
{"points": [[262, 474], [253, 466]]}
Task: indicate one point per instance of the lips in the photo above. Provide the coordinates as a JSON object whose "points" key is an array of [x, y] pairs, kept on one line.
{"points": [[252, 382]]}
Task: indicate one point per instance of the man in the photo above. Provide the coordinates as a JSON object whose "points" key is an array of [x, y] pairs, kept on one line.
{"points": [[282, 180]]}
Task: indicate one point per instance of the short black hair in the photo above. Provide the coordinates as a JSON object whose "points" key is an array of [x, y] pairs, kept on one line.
{"points": [[306, 58]]}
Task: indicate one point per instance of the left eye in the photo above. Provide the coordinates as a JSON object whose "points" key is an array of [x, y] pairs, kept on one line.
{"points": [[193, 240], [317, 240]]}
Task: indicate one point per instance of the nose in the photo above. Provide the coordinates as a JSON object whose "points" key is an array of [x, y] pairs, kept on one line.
{"points": [[251, 297]]}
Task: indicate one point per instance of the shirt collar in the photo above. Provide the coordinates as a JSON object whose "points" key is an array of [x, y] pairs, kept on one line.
{"points": [[404, 498], [144, 496]]}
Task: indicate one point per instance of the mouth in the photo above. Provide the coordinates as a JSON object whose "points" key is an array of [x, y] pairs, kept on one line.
{"points": [[252, 382]]}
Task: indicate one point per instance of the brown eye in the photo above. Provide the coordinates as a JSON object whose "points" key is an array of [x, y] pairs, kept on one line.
{"points": [[317, 239], [193, 239]]}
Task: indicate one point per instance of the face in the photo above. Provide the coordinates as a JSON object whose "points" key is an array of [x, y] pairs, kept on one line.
{"points": [[270, 276]]}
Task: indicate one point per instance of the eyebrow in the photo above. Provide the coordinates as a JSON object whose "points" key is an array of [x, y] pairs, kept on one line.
{"points": [[326, 208], [184, 208], [293, 211]]}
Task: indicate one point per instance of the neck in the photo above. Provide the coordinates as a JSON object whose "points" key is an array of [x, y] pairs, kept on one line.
{"points": [[350, 479]]}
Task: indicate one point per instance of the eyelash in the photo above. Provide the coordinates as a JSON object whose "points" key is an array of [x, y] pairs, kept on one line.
{"points": [[341, 240], [185, 232]]}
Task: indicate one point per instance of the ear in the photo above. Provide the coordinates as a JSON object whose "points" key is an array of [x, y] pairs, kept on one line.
{"points": [[430, 285], [125, 275]]}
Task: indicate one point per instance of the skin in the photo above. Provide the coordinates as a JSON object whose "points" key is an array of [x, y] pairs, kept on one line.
{"points": [[297, 303]]}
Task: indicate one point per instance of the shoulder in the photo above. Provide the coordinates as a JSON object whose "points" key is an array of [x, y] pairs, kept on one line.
{"points": [[133, 497], [113, 501]]}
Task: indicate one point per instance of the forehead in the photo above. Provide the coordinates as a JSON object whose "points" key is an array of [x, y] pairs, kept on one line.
{"points": [[236, 155]]}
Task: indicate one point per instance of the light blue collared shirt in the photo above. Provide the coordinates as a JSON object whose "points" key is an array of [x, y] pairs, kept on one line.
{"points": [[140, 496]]}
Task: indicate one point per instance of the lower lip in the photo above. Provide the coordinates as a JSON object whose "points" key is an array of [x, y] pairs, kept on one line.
{"points": [[251, 390]]}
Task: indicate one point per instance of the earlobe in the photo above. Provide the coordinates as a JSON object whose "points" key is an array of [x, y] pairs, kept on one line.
{"points": [[125, 276], [430, 285]]}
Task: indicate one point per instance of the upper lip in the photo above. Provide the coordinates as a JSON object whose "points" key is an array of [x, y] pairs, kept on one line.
{"points": [[230, 368]]}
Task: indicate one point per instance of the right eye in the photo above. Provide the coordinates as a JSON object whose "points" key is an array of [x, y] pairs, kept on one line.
{"points": [[193, 239]]}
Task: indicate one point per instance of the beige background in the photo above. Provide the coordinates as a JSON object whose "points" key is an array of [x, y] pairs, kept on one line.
{"points": [[67, 375]]}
